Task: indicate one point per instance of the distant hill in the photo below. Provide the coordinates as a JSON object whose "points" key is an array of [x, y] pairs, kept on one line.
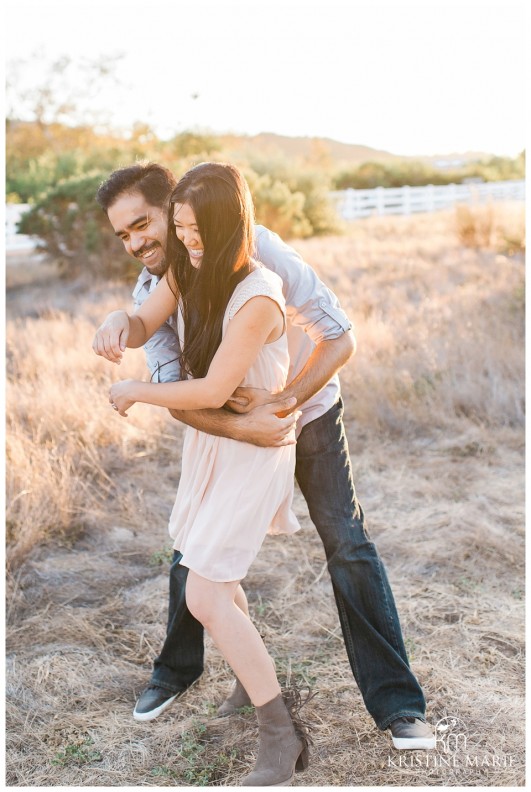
{"points": [[325, 150], [309, 149]]}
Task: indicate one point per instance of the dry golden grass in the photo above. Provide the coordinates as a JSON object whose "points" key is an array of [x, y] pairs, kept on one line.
{"points": [[435, 423], [439, 325], [489, 225]]}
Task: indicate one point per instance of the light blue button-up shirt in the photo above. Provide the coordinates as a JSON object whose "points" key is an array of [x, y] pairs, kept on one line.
{"points": [[313, 311]]}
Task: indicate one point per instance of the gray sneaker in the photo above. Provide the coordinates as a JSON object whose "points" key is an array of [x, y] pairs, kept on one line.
{"points": [[411, 733], [152, 702]]}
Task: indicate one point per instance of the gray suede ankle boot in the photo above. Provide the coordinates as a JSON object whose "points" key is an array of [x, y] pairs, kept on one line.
{"points": [[282, 751], [237, 698]]}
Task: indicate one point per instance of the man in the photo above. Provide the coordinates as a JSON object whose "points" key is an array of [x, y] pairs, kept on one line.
{"points": [[320, 342]]}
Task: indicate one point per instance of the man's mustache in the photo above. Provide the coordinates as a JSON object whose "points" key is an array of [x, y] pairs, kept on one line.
{"points": [[145, 249]]}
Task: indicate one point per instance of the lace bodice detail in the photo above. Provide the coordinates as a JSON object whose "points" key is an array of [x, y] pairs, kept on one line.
{"points": [[260, 282]]}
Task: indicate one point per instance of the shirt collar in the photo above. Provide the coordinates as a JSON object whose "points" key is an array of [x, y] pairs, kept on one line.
{"points": [[146, 276]]}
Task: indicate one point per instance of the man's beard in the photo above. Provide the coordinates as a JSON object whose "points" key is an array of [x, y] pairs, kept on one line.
{"points": [[158, 269]]}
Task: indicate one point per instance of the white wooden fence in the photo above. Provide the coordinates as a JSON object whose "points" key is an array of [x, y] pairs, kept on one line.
{"points": [[352, 204], [15, 242]]}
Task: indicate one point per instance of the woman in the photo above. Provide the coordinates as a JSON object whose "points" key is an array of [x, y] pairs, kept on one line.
{"points": [[233, 327]]}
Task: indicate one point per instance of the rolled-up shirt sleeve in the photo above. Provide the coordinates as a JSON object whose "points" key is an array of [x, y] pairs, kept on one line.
{"points": [[163, 350], [163, 354], [311, 305]]}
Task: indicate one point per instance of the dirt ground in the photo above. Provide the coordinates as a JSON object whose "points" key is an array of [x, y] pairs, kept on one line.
{"points": [[85, 622]]}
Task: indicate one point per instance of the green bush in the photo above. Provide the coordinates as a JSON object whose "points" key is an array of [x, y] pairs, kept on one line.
{"points": [[417, 174], [277, 207], [74, 231], [291, 199], [31, 179], [318, 209]]}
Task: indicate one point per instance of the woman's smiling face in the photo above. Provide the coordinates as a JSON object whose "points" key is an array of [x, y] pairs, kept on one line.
{"points": [[188, 232]]}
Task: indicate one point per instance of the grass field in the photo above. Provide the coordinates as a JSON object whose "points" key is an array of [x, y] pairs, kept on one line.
{"points": [[434, 415]]}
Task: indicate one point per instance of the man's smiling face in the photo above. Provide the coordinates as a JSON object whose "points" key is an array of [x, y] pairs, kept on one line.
{"points": [[142, 228]]}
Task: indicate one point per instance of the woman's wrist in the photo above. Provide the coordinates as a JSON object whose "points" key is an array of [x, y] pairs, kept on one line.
{"points": [[138, 391], [119, 312]]}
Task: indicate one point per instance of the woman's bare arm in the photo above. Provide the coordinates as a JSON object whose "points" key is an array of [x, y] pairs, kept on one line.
{"points": [[121, 330], [248, 331]]}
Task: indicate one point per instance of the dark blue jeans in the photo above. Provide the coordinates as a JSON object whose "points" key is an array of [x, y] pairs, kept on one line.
{"points": [[367, 612]]}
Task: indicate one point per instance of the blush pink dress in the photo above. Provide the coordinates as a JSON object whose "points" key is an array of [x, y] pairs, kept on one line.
{"points": [[232, 493]]}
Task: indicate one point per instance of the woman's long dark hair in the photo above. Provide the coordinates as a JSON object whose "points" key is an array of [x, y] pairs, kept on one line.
{"points": [[221, 202]]}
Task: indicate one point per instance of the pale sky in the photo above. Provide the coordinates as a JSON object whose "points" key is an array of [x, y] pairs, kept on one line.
{"points": [[430, 77]]}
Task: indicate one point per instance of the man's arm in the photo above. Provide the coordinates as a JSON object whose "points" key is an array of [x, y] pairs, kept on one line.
{"points": [[261, 427], [326, 360], [312, 307], [316, 311]]}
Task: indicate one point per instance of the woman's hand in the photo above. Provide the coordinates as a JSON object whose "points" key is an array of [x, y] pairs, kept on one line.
{"points": [[121, 396], [244, 399], [111, 337]]}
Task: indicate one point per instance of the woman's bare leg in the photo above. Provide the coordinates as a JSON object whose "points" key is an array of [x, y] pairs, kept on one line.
{"points": [[214, 605], [241, 601]]}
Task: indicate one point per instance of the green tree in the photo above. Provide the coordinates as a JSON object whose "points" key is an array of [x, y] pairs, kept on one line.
{"points": [[75, 232]]}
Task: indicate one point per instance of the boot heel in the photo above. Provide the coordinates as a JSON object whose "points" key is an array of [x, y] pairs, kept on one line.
{"points": [[302, 761]]}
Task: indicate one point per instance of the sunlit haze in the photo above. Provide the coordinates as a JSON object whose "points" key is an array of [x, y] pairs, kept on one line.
{"points": [[425, 78]]}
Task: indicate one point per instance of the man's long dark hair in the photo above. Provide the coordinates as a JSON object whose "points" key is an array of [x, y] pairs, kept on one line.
{"points": [[221, 202]]}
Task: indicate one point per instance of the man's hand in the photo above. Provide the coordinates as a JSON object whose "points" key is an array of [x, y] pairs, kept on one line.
{"points": [[111, 337], [263, 427]]}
